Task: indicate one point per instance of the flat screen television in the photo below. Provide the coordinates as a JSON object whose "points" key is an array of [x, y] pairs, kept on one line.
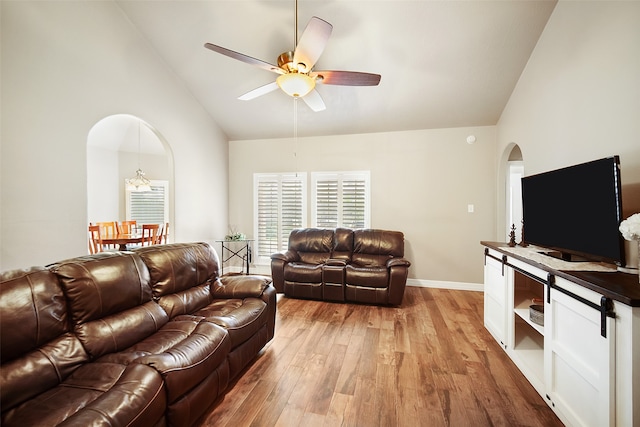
{"points": [[576, 211]]}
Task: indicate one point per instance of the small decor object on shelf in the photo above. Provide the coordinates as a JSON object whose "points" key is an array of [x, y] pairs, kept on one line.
{"points": [[536, 314], [522, 242], [630, 229], [512, 236], [235, 236]]}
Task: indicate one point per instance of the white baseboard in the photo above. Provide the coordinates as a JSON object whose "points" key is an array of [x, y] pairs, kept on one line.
{"points": [[458, 286]]}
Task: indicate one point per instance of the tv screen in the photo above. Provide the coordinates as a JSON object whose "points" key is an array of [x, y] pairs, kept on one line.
{"points": [[576, 211]]}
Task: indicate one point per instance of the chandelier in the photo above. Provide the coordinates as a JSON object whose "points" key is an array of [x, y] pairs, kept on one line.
{"points": [[138, 182]]}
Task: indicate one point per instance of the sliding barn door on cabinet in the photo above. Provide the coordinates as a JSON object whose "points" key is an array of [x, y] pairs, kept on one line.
{"points": [[579, 351], [495, 295]]}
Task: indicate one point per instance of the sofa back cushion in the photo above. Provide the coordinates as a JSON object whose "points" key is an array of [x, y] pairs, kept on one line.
{"points": [[373, 248], [110, 300], [181, 275], [313, 245], [342, 244], [38, 351]]}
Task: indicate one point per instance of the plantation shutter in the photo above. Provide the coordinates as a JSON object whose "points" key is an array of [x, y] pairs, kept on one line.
{"points": [[326, 203], [341, 199], [354, 203], [268, 194], [292, 209], [149, 207], [280, 201]]}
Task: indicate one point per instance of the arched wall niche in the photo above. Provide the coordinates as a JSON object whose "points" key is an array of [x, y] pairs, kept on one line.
{"points": [[117, 146], [511, 169]]}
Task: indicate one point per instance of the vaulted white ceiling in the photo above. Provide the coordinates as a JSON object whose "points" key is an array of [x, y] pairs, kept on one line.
{"points": [[443, 63]]}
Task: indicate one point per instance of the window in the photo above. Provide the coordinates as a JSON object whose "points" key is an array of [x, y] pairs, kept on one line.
{"points": [[341, 199], [279, 207], [149, 207]]}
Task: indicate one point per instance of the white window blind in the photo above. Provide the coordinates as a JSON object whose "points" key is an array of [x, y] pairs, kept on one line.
{"points": [[279, 207], [149, 207], [341, 199]]}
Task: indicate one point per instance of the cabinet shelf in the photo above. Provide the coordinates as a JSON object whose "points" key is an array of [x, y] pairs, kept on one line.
{"points": [[528, 347], [522, 311]]}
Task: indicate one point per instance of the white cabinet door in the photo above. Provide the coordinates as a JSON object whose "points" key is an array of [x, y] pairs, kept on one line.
{"points": [[579, 360], [495, 285]]}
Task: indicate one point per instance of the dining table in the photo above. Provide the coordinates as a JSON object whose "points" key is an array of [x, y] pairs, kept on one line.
{"points": [[122, 240]]}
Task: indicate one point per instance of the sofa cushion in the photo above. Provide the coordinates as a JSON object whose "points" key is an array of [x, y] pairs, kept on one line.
{"points": [[33, 308], [181, 275], [373, 248], [373, 277], [38, 351], [96, 394], [185, 363], [304, 273], [313, 245], [109, 299]]}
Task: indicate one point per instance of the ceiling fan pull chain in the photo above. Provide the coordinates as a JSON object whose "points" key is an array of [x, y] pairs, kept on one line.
{"points": [[295, 135]]}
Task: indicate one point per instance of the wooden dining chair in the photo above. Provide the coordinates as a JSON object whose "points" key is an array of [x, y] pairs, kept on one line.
{"points": [[95, 239], [150, 234], [127, 227], [108, 228]]}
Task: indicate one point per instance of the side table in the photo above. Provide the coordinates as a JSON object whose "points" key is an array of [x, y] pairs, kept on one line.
{"points": [[235, 248]]}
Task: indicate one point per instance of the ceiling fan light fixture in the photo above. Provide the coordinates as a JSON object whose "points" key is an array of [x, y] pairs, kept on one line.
{"points": [[296, 84]]}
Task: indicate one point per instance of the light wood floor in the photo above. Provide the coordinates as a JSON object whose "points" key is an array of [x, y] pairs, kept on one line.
{"points": [[429, 362]]}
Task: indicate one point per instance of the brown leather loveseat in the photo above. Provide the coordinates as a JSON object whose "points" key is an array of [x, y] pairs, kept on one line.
{"points": [[144, 338], [341, 264]]}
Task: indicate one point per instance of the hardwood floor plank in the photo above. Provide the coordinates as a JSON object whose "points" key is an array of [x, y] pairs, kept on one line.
{"points": [[339, 407], [327, 381], [346, 382], [428, 362]]}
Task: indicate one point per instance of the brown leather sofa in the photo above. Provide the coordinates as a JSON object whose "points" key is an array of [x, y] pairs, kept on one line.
{"points": [[341, 264], [144, 338]]}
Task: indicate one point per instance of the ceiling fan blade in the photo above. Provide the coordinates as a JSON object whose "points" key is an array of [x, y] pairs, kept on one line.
{"points": [[244, 58], [312, 43], [314, 101], [347, 78], [259, 91]]}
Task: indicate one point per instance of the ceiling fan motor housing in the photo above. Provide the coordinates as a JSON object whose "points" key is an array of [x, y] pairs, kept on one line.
{"points": [[285, 61]]}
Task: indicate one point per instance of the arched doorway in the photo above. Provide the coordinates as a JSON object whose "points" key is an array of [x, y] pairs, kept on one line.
{"points": [[510, 200], [116, 147], [514, 173]]}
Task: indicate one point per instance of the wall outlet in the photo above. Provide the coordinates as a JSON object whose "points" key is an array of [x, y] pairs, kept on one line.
{"points": [[470, 208]]}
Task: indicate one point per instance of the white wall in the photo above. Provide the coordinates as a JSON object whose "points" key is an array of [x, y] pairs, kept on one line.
{"points": [[578, 98], [421, 184], [66, 66], [103, 198]]}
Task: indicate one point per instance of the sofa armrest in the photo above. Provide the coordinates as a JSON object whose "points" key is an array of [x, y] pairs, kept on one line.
{"points": [[242, 286], [398, 262], [278, 261], [286, 256], [187, 363], [336, 262]]}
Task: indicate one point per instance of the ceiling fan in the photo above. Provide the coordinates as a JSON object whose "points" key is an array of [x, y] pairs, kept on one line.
{"points": [[297, 77]]}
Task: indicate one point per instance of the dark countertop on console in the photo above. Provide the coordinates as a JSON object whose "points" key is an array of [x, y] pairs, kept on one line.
{"points": [[622, 287]]}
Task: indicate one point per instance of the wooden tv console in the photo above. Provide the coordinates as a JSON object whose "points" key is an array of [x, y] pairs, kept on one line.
{"points": [[585, 360]]}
